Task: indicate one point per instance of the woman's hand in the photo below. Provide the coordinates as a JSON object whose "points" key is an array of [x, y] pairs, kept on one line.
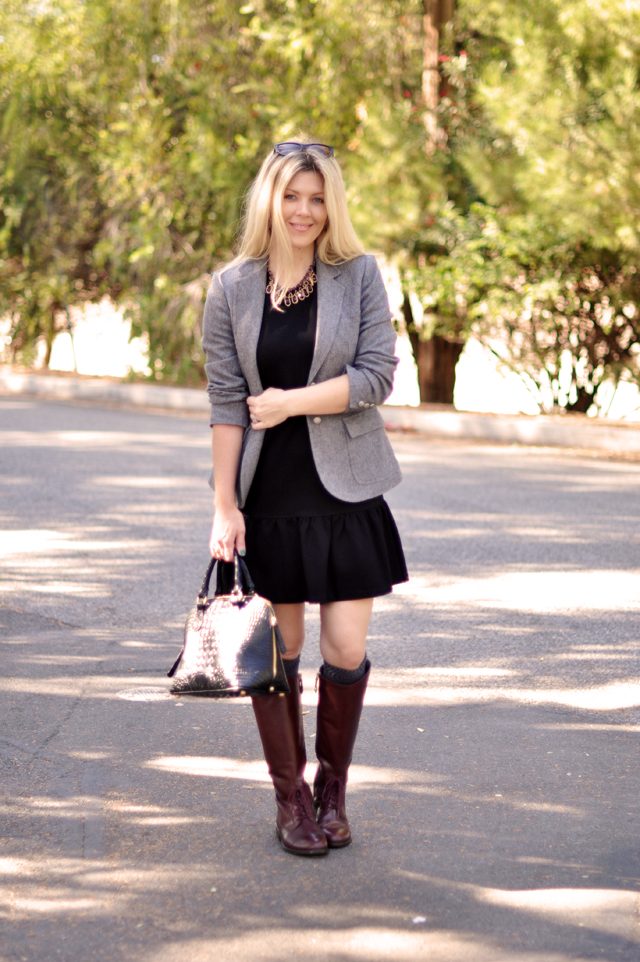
{"points": [[227, 533], [268, 409]]}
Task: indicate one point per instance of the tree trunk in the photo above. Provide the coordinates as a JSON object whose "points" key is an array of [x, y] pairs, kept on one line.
{"points": [[437, 357], [436, 14], [50, 335], [436, 360], [583, 401]]}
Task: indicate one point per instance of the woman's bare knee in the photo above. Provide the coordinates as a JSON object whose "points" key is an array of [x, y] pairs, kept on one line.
{"points": [[343, 632], [291, 624]]}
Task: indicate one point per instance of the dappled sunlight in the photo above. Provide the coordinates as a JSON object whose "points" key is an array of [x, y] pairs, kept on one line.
{"points": [[138, 644], [58, 905], [605, 910], [612, 697], [604, 698], [66, 659], [34, 541], [85, 887], [64, 588], [255, 771], [112, 440], [592, 905], [590, 726], [496, 527], [53, 562], [81, 806], [360, 776], [539, 591], [406, 674], [173, 515], [90, 686], [373, 944], [136, 481], [600, 655]]}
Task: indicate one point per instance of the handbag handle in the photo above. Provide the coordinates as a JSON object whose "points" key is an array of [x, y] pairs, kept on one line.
{"points": [[242, 582]]}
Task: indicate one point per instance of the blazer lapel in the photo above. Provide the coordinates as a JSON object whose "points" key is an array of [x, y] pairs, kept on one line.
{"points": [[249, 303], [330, 294]]}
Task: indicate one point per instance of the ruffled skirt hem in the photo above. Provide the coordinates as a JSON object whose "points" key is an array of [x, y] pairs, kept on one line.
{"points": [[325, 558]]}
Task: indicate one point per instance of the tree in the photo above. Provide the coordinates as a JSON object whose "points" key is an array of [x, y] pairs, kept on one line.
{"points": [[50, 218], [438, 343], [131, 133], [542, 134], [562, 314]]}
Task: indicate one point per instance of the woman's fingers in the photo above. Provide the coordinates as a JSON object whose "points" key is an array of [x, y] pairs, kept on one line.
{"points": [[227, 533], [240, 544], [267, 409], [221, 551], [252, 403], [227, 552]]}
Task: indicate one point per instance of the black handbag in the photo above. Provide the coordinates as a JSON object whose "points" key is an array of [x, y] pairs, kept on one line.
{"points": [[232, 643]]}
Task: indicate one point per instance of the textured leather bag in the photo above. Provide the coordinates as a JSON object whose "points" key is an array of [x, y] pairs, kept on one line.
{"points": [[232, 643]]}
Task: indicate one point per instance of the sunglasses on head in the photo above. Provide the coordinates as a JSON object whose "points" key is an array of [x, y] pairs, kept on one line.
{"points": [[291, 146]]}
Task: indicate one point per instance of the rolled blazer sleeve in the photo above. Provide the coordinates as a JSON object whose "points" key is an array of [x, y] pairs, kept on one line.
{"points": [[227, 387], [371, 374]]}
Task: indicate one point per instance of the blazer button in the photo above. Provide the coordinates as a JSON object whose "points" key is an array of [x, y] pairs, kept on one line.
{"points": [[317, 420], [360, 404]]}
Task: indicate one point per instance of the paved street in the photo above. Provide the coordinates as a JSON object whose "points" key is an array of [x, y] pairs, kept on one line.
{"points": [[494, 795]]}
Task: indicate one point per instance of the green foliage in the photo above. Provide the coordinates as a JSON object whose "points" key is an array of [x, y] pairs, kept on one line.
{"points": [[567, 318], [533, 239], [566, 98], [130, 133], [554, 309]]}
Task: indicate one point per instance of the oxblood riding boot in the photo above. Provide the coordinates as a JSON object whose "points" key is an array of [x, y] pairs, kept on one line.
{"points": [[279, 719], [339, 710]]}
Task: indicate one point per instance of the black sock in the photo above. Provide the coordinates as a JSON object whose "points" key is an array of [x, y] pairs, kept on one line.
{"points": [[342, 676], [291, 666]]}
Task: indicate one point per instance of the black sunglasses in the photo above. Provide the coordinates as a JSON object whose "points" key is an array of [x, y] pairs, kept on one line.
{"points": [[290, 147]]}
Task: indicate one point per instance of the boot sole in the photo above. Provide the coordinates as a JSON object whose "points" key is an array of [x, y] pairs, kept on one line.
{"points": [[310, 853], [339, 844]]}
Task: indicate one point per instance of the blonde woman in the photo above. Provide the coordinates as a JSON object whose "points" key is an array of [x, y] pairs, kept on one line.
{"points": [[299, 353]]}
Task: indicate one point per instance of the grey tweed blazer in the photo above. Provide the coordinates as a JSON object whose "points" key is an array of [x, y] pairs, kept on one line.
{"points": [[354, 335]]}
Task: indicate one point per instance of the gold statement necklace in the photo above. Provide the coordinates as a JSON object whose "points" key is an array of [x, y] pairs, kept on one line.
{"points": [[298, 293]]}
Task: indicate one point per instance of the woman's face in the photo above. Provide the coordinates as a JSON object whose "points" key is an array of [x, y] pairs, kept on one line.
{"points": [[303, 209]]}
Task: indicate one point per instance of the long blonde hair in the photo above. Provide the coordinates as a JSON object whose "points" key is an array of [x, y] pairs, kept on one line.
{"points": [[263, 228]]}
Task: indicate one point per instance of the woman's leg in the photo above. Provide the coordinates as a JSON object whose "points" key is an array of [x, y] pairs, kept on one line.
{"points": [[342, 685], [279, 719], [343, 632], [291, 624]]}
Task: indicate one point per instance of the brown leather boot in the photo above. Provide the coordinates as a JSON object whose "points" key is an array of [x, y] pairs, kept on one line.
{"points": [[339, 710], [279, 719]]}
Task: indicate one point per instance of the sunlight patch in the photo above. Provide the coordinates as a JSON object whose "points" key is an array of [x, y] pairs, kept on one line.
{"points": [[538, 591]]}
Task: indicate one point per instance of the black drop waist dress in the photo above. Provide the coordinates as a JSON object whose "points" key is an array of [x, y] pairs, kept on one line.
{"points": [[303, 544]]}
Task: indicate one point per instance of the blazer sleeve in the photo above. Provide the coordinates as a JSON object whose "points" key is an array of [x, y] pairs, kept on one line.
{"points": [[371, 374], [226, 384]]}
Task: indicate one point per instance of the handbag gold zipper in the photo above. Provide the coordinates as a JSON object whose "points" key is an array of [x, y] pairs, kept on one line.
{"points": [[274, 641]]}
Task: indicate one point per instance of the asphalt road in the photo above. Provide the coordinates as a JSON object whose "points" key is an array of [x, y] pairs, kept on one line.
{"points": [[494, 795]]}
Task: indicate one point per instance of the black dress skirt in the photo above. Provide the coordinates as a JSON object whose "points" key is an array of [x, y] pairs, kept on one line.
{"points": [[303, 544]]}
